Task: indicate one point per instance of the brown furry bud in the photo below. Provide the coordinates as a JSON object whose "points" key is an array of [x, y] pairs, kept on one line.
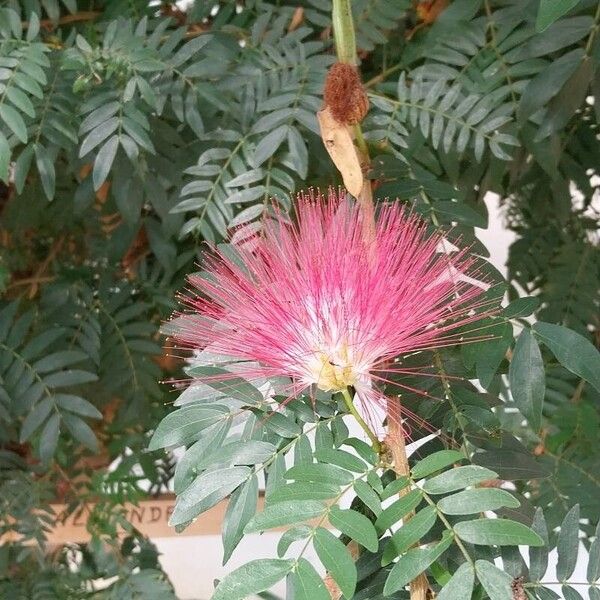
{"points": [[344, 94], [518, 591]]}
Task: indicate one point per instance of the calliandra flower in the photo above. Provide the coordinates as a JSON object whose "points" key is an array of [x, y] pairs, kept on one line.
{"points": [[316, 302]]}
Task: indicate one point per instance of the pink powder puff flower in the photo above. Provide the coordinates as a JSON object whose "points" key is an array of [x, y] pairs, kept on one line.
{"points": [[319, 302]]}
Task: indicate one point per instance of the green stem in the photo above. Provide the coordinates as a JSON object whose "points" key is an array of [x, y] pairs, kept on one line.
{"points": [[345, 49], [352, 409], [593, 32], [343, 32], [361, 142], [448, 526]]}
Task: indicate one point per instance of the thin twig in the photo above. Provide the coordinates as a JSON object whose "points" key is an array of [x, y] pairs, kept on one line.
{"points": [[29, 281], [396, 443], [86, 15], [37, 277]]}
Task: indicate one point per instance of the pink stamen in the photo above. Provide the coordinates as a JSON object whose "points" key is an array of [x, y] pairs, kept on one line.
{"points": [[314, 302]]}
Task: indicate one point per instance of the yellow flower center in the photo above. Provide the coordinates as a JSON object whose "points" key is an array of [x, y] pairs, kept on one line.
{"points": [[333, 373]]}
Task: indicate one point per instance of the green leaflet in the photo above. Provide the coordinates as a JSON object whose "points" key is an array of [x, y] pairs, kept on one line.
{"points": [[495, 582], [398, 509], [240, 509], [307, 583], [572, 350], [251, 578], [205, 491], [354, 525], [410, 533], [320, 473], [435, 462], [527, 378], [285, 513], [184, 425], [457, 478], [337, 560], [499, 532], [222, 380], [413, 563], [550, 11], [460, 585], [477, 500], [567, 545]]}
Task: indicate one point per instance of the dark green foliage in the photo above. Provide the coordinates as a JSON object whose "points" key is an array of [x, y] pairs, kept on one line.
{"points": [[130, 134]]}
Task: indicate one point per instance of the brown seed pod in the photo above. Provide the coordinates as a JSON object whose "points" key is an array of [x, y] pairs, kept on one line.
{"points": [[344, 94]]}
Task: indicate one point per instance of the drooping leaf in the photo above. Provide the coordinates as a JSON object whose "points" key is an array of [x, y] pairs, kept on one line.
{"points": [[570, 593], [538, 556], [568, 100], [395, 487], [248, 452], [490, 353], [307, 584], [281, 425], [572, 350], [5, 159], [68, 377], [593, 568], [210, 442], [291, 535], [240, 509], [368, 495], [495, 582], [460, 585], [45, 167], [81, 431], [49, 438], [527, 378], [342, 459], [223, 381], [14, 121], [544, 86], [337, 559], [205, 491], [460, 212], [98, 135], [269, 144], [521, 307], [104, 161], [304, 490], [567, 545], [77, 405], [36, 418]]}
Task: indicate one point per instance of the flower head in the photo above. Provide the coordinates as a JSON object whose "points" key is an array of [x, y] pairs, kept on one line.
{"points": [[320, 303]]}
